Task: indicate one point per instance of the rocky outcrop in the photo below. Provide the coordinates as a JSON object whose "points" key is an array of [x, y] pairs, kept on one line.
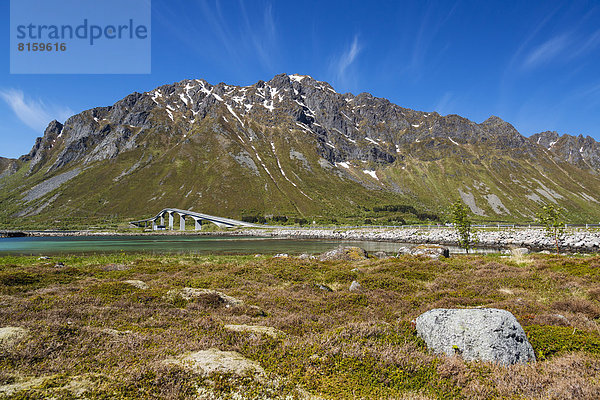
{"points": [[8, 166], [484, 334], [581, 151], [41, 149]]}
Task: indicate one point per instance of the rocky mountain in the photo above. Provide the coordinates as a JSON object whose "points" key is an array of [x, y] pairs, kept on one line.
{"points": [[8, 166], [581, 151], [291, 146]]}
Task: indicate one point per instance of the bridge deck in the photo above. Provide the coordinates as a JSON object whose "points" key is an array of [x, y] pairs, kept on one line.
{"points": [[220, 221]]}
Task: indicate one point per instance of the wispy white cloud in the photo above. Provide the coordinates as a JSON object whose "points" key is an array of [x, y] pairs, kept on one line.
{"points": [[342, 65], [548, 51], [34, 113], [587, 45], [348, 57]]}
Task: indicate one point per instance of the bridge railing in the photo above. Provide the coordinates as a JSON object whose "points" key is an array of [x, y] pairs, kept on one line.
{"points": [[430, 226]]}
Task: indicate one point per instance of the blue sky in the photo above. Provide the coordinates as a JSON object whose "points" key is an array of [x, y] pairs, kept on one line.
{"points": [[535, 64]]}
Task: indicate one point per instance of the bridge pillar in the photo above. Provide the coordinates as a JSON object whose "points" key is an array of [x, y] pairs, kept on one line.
{"points": [[153, 225], [170, 221], [181, 222], [162, 219], [197, 224]]}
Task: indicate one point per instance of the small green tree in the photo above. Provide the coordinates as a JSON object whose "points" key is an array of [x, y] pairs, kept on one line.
{"points": [[551, 219], [459, 216]]}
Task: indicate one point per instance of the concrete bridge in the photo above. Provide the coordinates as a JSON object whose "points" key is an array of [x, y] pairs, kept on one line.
{"points": [[158, 222]]}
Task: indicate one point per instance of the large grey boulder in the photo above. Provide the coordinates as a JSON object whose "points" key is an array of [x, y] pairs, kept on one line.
{"points": [[485, 334]]}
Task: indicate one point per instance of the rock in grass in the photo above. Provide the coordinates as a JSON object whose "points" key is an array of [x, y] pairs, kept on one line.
{"points": [[306, 256], [344, 253], [207, 362], [256, 329], [325, 288], [430, 250], [355, 287], [188, 293], [485, 334], [10, 336], [115, 267], [115, 333], [136, 283]]}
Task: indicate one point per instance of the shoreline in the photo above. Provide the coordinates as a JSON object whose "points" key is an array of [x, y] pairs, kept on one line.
{"points": [[573, 241]]}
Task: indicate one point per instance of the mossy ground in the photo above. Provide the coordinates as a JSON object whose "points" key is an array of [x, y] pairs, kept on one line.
{"points": [[94, 336]]}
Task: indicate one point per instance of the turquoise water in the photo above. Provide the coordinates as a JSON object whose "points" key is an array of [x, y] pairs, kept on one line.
{"points": [[163, 244], [178, 244]]}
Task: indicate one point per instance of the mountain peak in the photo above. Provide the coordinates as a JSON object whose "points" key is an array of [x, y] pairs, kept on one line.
{"points": [[494, 120], [298, 77]]}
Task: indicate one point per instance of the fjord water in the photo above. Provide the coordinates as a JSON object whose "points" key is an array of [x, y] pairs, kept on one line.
{"points": [[175, 244], [181, 244]]}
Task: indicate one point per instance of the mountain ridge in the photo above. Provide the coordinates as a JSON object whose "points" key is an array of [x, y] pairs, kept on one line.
{"points": [[294, 139], [581, 151]]}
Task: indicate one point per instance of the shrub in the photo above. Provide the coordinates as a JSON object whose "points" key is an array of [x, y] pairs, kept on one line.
{"points": [[548, 340]]}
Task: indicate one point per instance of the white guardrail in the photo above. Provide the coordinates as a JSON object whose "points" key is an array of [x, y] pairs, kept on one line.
{"points": [[441, 226]]}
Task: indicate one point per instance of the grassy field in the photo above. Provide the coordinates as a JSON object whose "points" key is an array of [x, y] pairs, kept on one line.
{"points": [[92, 335]]}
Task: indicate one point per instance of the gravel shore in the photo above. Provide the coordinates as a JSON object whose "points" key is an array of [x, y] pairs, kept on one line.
{"points": [[583, 241]]}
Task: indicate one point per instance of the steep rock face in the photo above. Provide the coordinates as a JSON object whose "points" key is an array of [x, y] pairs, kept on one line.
{"points": [[39, 153], [581, 151], [104, 132]]}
